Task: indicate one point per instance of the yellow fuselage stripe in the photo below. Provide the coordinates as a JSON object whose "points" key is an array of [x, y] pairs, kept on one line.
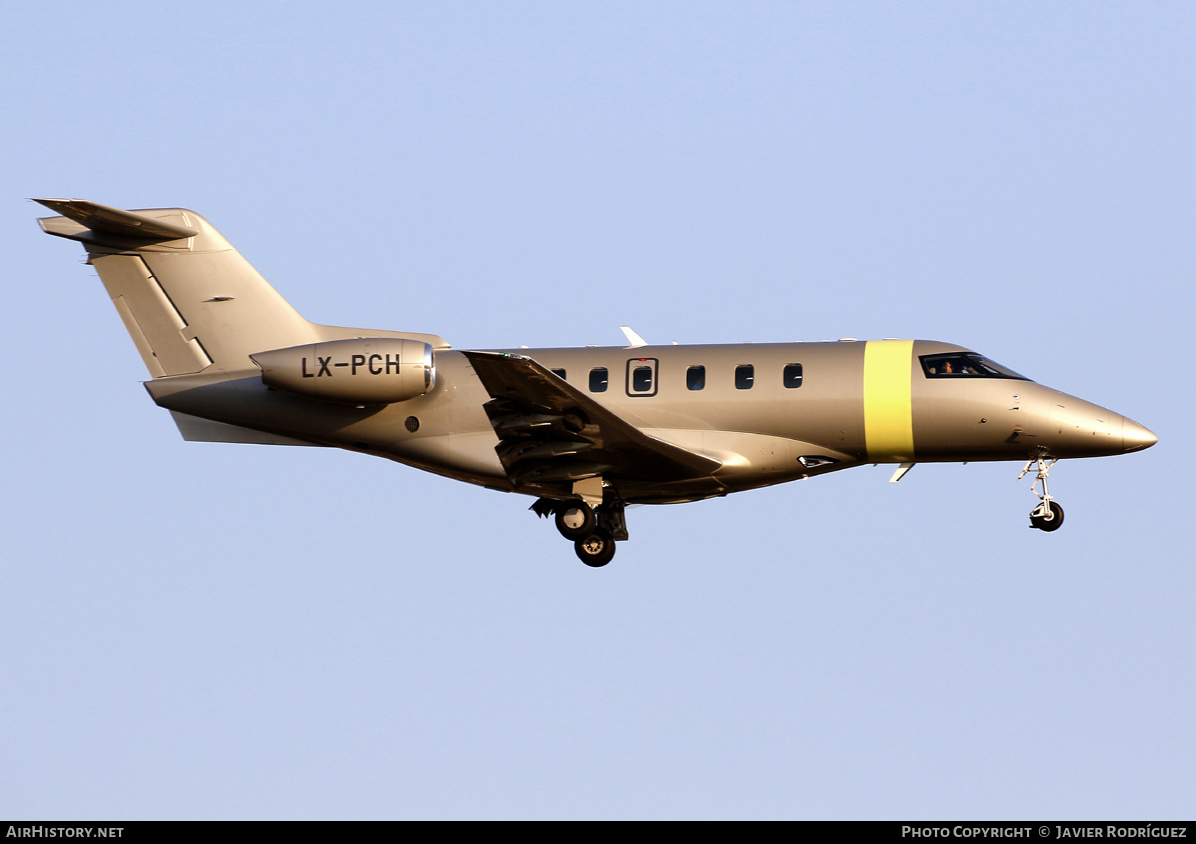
{"points": [[888, 406]]}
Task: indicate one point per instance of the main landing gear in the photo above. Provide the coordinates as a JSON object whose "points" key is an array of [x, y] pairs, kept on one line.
{"points": [[593, 532], [1048, 515]]}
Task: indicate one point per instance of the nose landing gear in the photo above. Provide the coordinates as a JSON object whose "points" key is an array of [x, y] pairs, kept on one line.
{"points": [[1048, 515]]}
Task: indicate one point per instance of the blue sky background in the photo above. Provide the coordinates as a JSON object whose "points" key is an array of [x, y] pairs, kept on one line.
{"points": [[222, 631]]}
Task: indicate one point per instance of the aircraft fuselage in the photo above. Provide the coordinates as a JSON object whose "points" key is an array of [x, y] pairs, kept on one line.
{"points": [[839, 409]]}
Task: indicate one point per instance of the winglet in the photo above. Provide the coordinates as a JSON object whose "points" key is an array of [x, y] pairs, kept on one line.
{"points": [[634, 339], [104, 218]]}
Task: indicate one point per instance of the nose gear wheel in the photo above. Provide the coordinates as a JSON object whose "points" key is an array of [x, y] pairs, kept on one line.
{"points": [[1049, 519]]}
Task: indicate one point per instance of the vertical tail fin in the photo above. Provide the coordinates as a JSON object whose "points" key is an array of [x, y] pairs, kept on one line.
{"points": [[188, 299]]}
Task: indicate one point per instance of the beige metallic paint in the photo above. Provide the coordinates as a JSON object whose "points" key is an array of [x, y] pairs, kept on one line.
{"points": [[197, 310]]}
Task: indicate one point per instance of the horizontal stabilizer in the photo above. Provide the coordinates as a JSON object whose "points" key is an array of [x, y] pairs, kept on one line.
{"points": [[104, 218]]}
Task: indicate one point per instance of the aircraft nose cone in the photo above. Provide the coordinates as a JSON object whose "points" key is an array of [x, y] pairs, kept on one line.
{"points": [[1135, 437]]}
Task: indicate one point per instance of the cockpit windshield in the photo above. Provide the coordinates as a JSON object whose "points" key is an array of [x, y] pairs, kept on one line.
{"points": [[965, 365]]}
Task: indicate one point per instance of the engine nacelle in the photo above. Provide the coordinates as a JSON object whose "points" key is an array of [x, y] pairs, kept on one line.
{"points": [[365, 370]]}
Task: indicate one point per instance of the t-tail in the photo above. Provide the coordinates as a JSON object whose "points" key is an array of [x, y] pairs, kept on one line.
{"points": [[199, 313], [189, 300]]}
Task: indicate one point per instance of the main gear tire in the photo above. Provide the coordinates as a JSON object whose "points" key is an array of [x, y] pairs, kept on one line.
{"points": [[575, 520], [596, 550]]}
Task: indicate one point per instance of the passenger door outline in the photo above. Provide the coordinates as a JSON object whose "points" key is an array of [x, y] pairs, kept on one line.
{"points": [[642, 374]]}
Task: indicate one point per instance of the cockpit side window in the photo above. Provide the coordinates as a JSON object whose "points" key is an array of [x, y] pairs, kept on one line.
{"points": [[965, 365]]}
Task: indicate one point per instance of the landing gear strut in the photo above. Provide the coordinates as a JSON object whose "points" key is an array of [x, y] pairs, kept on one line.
{"points": [[1048, 515]]}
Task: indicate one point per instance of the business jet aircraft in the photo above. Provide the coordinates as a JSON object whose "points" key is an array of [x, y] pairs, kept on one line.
{"points": [[586, 431]]}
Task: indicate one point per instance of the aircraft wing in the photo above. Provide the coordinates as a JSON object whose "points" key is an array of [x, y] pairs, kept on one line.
{"points": [[550, 433]]}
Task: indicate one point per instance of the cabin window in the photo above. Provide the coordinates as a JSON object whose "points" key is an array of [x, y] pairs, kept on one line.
{"points": [[695, 377], [792, 377], [745, 376], [965, 365], [598, 379], [641, 379], [559, 373]]}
